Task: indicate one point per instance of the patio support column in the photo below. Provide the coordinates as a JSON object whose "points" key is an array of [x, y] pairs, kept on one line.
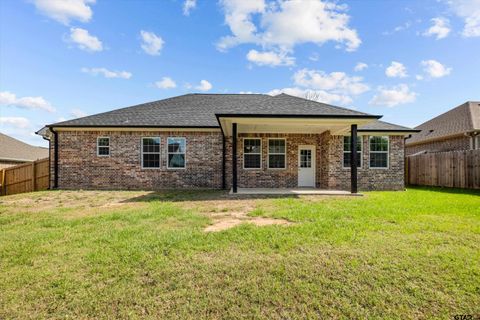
{"points": [[234, 157], [353, 158]]}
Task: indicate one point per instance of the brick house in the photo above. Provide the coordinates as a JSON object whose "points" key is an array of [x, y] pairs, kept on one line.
{"points": [[228, 141], [456, 129]]}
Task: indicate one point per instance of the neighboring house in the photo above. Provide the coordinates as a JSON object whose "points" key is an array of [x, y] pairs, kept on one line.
{"points": [[457, 129], [227, 141], [14, 152]]}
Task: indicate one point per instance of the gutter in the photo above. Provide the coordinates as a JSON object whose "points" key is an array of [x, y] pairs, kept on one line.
{"points": [[18, 160], [297, 116], [389, 130], [129, 126], [457, 135]]}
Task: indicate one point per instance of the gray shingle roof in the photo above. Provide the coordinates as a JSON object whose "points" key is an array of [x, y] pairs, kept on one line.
{"points": [[378, 125], [200, 110], [459, 120], [13, 149]]}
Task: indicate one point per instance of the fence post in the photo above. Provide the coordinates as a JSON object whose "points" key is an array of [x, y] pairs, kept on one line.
{"points": [[33, 176], [3, 189]]}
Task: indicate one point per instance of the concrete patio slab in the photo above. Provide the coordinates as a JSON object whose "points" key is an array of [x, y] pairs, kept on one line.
{"points": [[293, 191]]}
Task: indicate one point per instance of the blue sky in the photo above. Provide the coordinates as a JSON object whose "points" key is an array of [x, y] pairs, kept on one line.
{"points": [[407, 60]]}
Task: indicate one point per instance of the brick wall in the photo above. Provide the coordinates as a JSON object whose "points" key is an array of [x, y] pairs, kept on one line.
{"points": [[451, 144], [391, 178], [273, 178], [81, 168], [330, 173]]}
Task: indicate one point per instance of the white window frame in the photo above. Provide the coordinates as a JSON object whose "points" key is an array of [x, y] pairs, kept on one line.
{"points": [[243, 152], [387, 152], [284, 154], [361, 153], [159, 153], [98, 147], [184, 154]]}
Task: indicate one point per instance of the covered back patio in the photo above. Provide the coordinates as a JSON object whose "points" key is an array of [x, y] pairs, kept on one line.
{"points": [[287, 154]]}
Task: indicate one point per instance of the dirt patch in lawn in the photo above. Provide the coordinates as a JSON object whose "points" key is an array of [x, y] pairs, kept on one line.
{"points": [[79, 201], [227, 223], [226, 214]]}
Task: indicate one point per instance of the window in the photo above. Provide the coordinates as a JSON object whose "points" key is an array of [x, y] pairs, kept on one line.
{"points": [[378, 152], [276, 154], [347, 151], [252, 153], [103, 146], [176, 153], [151, 152], [477, 145]]}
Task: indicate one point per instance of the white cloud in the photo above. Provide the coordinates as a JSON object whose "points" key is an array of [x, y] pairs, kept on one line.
{"points": [[314, 57], [77, 113], [165, 83], [65, 10], [399, 28], [419, 77], [393, 96], [335, 82], [440, 28], [334, 87], [360, 66], [151, 43], [270, 58], [16, 122], [204, 86], [317, 95], [435, 69], [469, 11], [282, 25], [188, 5], [85, 40], [107, 73], [39, 103], [396, 70]]}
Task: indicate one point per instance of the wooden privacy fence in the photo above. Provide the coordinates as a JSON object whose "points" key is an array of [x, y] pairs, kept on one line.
{"points": [[456, 169], [27, 177]]}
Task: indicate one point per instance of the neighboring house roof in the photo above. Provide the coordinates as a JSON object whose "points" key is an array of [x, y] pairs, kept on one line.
{"points": [[16, 150], [462, 119], [201, 110]]}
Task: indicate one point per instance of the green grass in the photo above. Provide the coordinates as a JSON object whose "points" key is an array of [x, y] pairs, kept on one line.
{"points": [[388, 255]]}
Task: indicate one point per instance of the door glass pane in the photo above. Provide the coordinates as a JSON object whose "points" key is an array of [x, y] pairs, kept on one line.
{"points": [[305, 158]]}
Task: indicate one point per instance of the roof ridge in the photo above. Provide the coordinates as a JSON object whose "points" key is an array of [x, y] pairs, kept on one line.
{"points": [[227, 94]]}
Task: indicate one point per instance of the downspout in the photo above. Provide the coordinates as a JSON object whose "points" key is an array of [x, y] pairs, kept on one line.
{"points": [[55, 160], [405, 143]]}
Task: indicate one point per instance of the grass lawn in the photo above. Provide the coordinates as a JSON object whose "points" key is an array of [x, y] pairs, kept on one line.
{"points": [[92, 254]]}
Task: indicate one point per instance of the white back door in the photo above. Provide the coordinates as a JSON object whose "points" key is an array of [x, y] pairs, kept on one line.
{"points": [[306, 166]]}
